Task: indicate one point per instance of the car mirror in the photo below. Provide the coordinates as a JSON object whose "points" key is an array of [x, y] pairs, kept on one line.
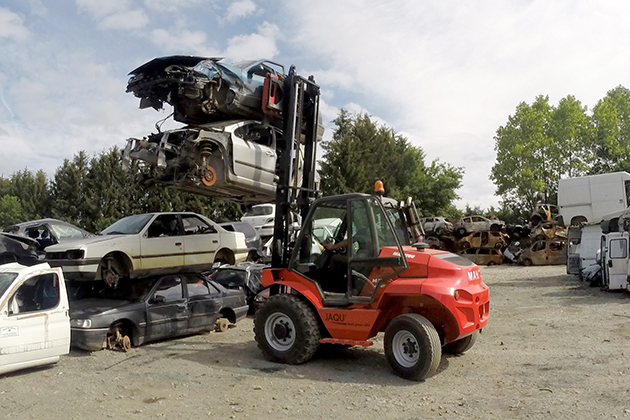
{"points": [[158, 299]]}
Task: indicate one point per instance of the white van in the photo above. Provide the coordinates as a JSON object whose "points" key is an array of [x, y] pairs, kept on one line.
{"points": [[34, 320], [587, 199]]}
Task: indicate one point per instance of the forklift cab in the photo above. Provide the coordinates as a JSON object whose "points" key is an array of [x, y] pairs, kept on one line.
{"points": [[368, 248]]}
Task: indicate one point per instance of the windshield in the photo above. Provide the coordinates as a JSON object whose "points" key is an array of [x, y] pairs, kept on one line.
{"points": [[64, 232], [130, 225], [230, 278], [5, 281], [259, 211]]}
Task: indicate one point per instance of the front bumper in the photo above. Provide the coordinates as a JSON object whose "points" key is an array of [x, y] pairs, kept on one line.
{"points": [[90, 339], [76, 269]]}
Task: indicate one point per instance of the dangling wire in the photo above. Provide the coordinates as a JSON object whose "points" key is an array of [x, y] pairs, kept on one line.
{"points": [[159, 124]]}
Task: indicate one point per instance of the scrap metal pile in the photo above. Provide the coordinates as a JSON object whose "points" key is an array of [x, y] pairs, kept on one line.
{"points": [[486, 241]]}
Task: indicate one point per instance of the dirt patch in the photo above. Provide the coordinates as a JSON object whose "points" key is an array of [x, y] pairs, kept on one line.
{"points": [[554, 348]]}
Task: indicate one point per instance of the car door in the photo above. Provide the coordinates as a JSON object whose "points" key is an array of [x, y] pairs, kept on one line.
{"points": [[167, 311], [254, 154], [201, 241], [203, 303], [617, 260], [162, 244], [34, 321]]}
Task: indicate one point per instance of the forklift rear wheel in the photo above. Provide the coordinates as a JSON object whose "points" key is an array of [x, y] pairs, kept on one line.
{"points": [[287, 330], [412, 346], [462, 345]]}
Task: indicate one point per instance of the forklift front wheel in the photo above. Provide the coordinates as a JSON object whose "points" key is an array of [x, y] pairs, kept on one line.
{"points": [[412, 346], [287, 330]]}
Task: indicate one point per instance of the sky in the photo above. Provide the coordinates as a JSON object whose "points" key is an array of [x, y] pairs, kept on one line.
{"points": [[445, 74]]}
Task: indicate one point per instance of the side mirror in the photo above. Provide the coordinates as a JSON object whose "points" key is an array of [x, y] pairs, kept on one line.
{"points": [[158, 299]]}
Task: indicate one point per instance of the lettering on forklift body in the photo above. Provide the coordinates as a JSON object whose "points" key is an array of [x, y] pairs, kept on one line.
{"points": [[397, 254], [474, 275], [335, 317]]}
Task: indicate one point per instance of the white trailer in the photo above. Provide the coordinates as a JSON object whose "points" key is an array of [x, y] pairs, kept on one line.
{"points": [[587, 199]]}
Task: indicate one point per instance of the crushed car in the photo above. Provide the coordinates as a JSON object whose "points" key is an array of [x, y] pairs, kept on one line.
{"points": [[478, 223], [149, 244], [205, 90], [48, 231], [483, 256], [16, 248], [233, 160], [436, 225], [138, 311], [485, 239], [34, 322], [245, 276], [544, 252]]}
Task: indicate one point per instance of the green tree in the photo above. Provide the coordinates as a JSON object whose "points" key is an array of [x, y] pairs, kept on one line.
{"points": [[33, 192], [10, 210], [539, 144], [361, 152], [611, 122], [69, 191]]}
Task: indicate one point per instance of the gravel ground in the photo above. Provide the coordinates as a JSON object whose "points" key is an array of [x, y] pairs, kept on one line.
{"points": [[554, 348]]}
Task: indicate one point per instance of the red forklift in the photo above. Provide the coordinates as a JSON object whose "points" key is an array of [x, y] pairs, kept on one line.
{"points": [[358, 267]]}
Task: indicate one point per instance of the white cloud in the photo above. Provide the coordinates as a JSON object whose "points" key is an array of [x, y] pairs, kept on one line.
{"points": [[176, 5], [256, 45], [114, 14], [12, 26], [126, 20], [239, 9], [182, 41]]}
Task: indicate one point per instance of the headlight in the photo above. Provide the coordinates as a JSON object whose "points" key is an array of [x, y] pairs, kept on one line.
{"points": [[75, 254], [81, 323]]}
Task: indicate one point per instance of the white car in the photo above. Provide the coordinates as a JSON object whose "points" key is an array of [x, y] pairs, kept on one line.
{"points": [[34, 321], [147, 244], [261, 217]]}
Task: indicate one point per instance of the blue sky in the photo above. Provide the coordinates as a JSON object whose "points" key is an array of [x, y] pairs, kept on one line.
{"points": [[443, 73]]}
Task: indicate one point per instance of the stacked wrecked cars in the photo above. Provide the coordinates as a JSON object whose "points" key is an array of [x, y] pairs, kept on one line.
{"points": [[486, 241], [233, 121]]}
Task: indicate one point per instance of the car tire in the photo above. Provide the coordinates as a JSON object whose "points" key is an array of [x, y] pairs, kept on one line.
{"points": [[461, 232], [412, 346], [527, 262], [287, 329], [439, 231], [222, 325], [462, 345]]}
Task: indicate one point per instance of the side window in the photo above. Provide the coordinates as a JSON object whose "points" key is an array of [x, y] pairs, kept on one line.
{"points": [[164, 225], [539, 246], [194, 225], [169, 289], [361, 238], [196, 286], [618, 248], [39, 293]]}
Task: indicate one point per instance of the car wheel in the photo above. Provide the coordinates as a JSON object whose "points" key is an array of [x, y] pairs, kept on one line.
{"points": [[439, 231], [498, 245], [527, 262], [111, 270], [412, 346], [287, 329], [222, 325], [461, 231], [491, 263], [464, 245], [462, 345]]}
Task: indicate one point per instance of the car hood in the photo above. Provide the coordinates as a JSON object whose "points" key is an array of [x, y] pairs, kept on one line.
{"points": [[79, 243], [86, 308]]}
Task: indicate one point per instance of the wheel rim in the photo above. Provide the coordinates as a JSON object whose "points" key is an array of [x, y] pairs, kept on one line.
{"points": [[405, 349], [280, 331]]}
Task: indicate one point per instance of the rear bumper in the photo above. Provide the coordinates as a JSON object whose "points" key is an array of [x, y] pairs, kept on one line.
{"points": [[88, 339]]}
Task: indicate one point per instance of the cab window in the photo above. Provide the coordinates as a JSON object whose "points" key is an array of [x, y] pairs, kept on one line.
{"points": [[39, 293]]}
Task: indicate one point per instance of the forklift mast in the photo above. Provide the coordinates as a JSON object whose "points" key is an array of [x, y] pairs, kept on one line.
{"points": [[300, 107]]}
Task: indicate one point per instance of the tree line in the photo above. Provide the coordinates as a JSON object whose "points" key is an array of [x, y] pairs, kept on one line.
{"points": [[541, 143], [93, 192]]}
